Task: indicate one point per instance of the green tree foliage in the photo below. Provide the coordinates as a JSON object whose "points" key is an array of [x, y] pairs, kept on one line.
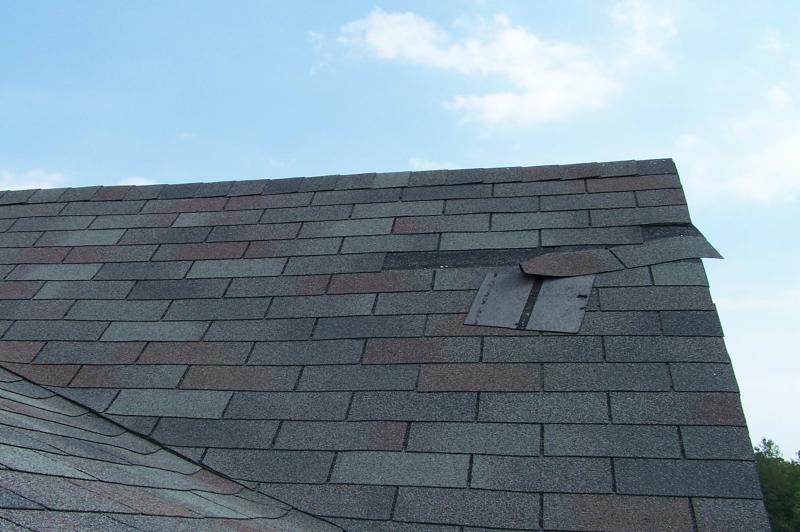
{"points": [[780, 481]]}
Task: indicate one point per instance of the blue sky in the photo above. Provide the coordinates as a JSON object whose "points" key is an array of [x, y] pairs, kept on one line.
{"points": [[95, 92]]}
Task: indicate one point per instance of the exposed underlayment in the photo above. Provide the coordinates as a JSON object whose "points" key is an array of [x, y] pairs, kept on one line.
{"points": [[306, 338]]}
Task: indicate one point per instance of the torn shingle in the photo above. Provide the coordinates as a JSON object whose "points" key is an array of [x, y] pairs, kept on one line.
{"points": [[500, 300], [572, 263], [561, 304]]}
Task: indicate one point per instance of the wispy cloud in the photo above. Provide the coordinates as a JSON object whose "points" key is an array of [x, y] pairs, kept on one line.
{"points": [[30, 179], [546, 80], [649, 29], [424, 164]]}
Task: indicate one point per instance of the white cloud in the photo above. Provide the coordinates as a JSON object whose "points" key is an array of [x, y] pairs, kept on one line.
{"points": [[771, 173], [546, 80], [772, 42], [650, 29], [30, 179], [137, 181], [424, 164]]}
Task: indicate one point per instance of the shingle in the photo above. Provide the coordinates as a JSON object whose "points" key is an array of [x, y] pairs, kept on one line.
{"points": [[351, 181], [46, 195], [234, 233], [642, 182], [89, 353], [423, 178], [370, 327], [581, 475], [666, 196], [458, 259], [404, 208], [543, 349], [179, 289], [216, 250], [55, 330], [656, 349], [677, 214], [493, 240], [391, 179], [732, 443], [217, 309], [340, 500], [208, 190], [442, 224], [606, 377], [195, 352], [308, 352], [368, 525], [33, 310], [428, 302], [289, 405], [404, 469], [665, 250], [656, 166], [730, 515], [669, 408], [411, 406], [615, 512], [479, 377], [415, 350], [373, 244], [259, 330], [98, 309], [287, 248], [110, 253], [84, 289], [561, 304], [386, 281], [538, 189], [693, 478], [356, 196], [128, 376], [143, 270], [462, 278], [31, 256], [170, 403], [247, 188], [366, 226], [19, 351], [303, 214], [236, 268], [592, 236], [278, 466], [620, 323], [53, 272], [568, 202], [690, 323], [144, 192], [316, 306], [611, 440], [539, 220], [254, 434], [277, 286], [369, 262], [48, 223], [467, 206], [627, 277], [341, 436], [548, 407], [25, 211], [126, 331], [180, 190], [358, 377], [164, 235], [703, 377], [133, 220], [683, 273], [252, 378], [446, 192], [183, 205], [453, 325], [13, 240], [475, 438], [468, 507], [268, 201], [284, 186]]}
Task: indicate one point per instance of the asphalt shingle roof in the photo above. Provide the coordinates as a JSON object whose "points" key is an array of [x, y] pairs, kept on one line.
{"points": [[306, 337]]}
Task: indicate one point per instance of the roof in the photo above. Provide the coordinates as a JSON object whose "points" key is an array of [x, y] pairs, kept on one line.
{"points": [[310, 339]]}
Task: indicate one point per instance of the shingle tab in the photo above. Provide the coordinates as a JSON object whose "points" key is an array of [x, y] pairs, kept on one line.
{"points": [[611, 440], [170, 403], [370, 327], [358, 377], [665, 250], [126, 331], [686, 408], [500, 300], [308, 352], [575, 475], [694, 478], [606, 377], [342, 436], [543, 349], [279, 466], [493, 240], [289, 405], [730, 515], [476, 438], [404, 469], [548, 407], [410, 406], [615, 512]]}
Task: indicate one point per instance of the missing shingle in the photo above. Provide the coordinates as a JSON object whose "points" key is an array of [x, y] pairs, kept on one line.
{"points": [[561, 304], [501, 300]]}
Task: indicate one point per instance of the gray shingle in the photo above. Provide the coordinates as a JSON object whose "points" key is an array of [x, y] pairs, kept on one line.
{"points": [[468, 507], [670, 408], [217, 309], [367, 226], [308, 352], [170, 403], [358, 377], [195, 219], [688, 272], [464, 278], [663, 196], [370, 262], [128, 376], [490, 240], [404, 208], [125, 331], [598, 200], [55, 330], [25, 211], [53, 272], [730, 515], [89, 353], [410, 406], [576, 475], [278, 466], [732, 443], [620, 323], [337, 197], [21, 309], [143, 270], [414, 350], [13, 240], [466, 206], [94, 309], [253, 434], [374, 244], [615, 512], [277, 286], [342, 436], [561, 304], [164, 235], [94, 237], [303, 214], [338, 500], [628, 277], [538, 189], [179, 289], [539, 220], [656, 298], [125, 221], [288, 248], [691, 323], [442, 224], [260, 330], [661, 349], [542, 349], [693, 478], [606, 377], [547, 407], [665, 250], [674, 214], [84, 289], [703, 377], [241, 233], [236, 268], [428, 302], [592, 236], [370, 327], [611, 440], [447, 192], [391, 179], [289, 405], [48, 223], [404, 469], [475, 438]]}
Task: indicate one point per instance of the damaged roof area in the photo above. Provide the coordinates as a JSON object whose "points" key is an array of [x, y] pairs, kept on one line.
{"points": [[450, 351]]}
